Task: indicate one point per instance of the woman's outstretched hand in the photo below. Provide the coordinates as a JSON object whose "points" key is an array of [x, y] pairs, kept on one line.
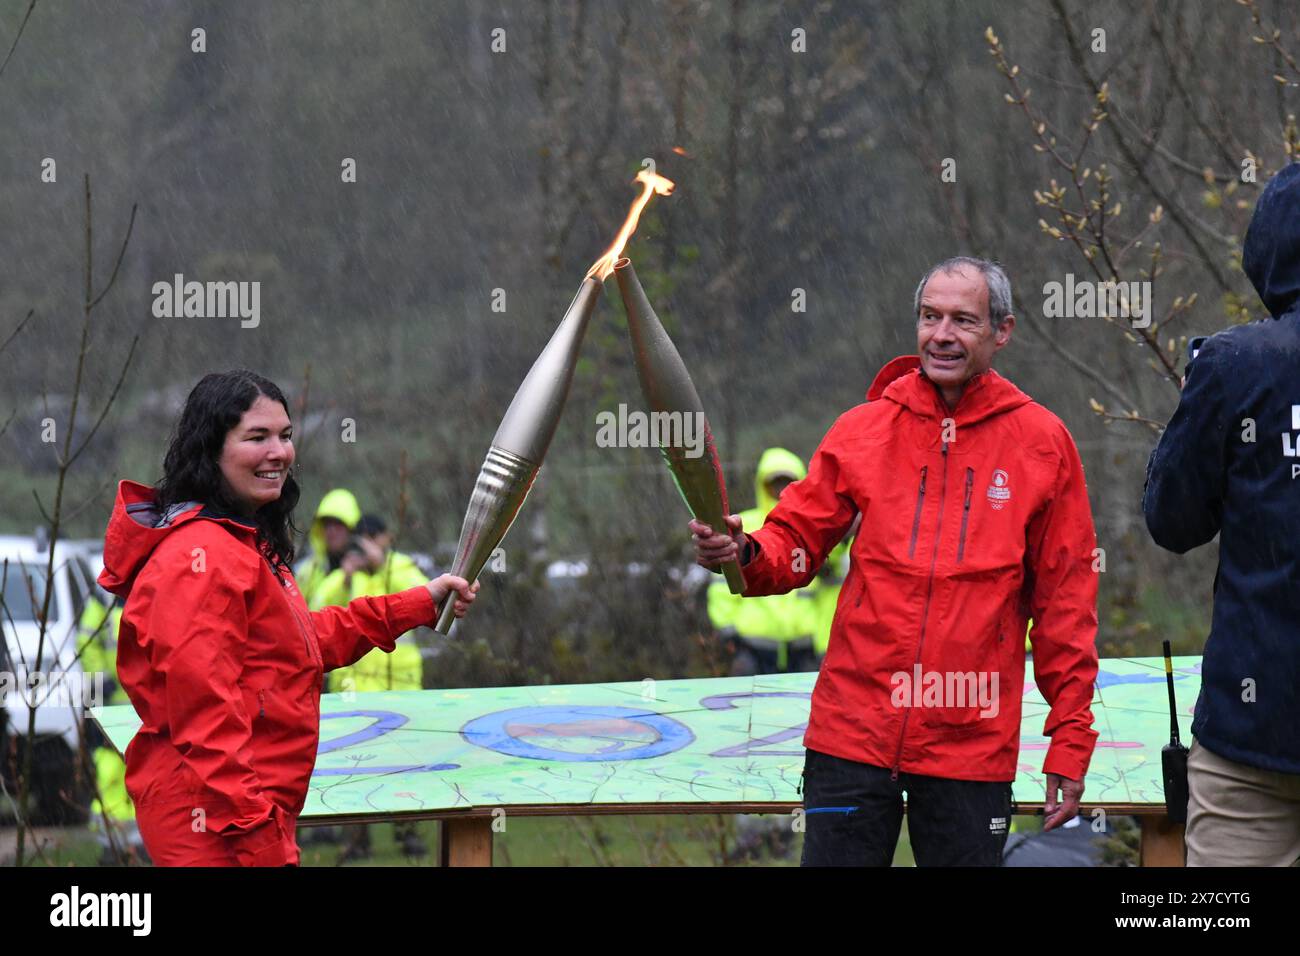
{"points": [[443, 585]]}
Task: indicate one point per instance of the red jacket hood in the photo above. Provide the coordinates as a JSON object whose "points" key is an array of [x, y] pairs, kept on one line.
{"points": [[136, 529], [902, 381]]}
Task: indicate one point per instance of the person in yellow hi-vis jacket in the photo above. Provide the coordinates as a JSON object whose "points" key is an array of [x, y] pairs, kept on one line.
{"points": [[770, 634], [330, 538], [97, 645], [371, 568]]}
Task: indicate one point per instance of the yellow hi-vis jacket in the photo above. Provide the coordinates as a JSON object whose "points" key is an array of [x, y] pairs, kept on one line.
{"points": [[342, 505], [777, 618], [97, 643], [403, 669], [825, 590]]}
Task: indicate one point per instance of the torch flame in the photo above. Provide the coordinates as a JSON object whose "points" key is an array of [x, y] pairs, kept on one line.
{"points": [[651, 183]]}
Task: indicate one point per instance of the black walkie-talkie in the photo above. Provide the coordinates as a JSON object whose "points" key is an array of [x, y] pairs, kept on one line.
{"points": [[1173, 758]]}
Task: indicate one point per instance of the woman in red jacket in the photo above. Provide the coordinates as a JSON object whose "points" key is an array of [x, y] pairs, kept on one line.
{"points": [[217, 649]]}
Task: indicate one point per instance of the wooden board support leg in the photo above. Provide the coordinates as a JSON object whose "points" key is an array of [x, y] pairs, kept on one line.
{"points": [[466, 842], [1162, 842]]}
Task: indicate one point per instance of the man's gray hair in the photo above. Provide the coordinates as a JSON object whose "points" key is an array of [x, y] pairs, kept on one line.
{"points": [[994, 277]]}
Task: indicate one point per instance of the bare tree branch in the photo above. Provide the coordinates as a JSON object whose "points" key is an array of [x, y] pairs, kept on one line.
{"points": [[1189, 102], [18, 36], [1270, 36], [41, 507], [66, 459], [117, 386], [118, 264], [1208, 261], [14, 334], [1071, 359]]}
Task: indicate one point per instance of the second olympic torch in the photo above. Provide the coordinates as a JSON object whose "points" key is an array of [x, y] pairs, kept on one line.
{"points": [[669, 389], [521, 440]]}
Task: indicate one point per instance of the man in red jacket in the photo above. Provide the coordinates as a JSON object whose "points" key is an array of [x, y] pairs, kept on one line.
{"points": [[975, 518]]}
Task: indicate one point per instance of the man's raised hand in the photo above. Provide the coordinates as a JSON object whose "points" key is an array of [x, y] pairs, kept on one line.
{"points": [[713, 548]]}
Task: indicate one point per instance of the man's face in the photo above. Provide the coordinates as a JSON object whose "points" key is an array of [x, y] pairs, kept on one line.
{"points": [[954, 337]]}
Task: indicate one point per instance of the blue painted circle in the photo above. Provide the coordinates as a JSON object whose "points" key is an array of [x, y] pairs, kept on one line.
{"points": [[612, 733]]}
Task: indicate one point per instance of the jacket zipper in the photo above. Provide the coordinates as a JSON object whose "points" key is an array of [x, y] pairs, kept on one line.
{"points": [[275, 569], [965, 514], [261, 703], [929, 590], [920, 500]]}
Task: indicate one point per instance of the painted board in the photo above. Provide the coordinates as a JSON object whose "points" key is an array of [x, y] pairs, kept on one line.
{"points": [[711, 741]]}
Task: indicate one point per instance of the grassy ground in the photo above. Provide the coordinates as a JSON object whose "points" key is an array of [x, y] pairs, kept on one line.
{"points": [[637, 840], [675, 840], [52, 846]]}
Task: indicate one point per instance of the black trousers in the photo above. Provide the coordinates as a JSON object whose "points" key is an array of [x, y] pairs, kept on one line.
{"points": [[853, 813]]}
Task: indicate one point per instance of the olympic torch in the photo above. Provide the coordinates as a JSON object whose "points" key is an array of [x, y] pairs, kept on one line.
{"points": [[668, 388], [519, 446]]}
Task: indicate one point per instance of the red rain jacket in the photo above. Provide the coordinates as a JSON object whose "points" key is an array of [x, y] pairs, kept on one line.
{"points": [[223, 663], [967, 532]]}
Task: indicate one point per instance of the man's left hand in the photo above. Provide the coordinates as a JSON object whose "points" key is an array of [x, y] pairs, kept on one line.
{"points": [[1057, 813]]}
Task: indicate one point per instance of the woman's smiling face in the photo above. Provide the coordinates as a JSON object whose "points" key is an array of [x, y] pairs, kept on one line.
{"points": [[257, 455]]}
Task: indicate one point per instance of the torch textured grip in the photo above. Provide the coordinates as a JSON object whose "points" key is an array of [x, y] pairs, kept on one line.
{"points": [[503, 484], [735, 576], [446, 614]]}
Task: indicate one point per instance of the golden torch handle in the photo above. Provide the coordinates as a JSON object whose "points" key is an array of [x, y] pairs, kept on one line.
{"points": [[735, 576]]}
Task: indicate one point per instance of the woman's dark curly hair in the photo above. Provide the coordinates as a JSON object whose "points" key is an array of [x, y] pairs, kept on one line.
{"points": [[190, 470]]}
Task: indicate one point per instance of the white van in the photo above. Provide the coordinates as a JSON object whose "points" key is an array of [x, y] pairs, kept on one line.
{"points": [[60, 689]]}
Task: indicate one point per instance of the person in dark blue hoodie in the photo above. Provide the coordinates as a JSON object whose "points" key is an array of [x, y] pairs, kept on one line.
{"points": [[1229, 464]]}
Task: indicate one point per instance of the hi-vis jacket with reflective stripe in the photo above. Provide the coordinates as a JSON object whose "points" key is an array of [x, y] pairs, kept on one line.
{"points": [[973, 520]]}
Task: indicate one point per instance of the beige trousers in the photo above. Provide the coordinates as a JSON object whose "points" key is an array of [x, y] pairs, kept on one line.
{"points": [[1240, 815]]}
